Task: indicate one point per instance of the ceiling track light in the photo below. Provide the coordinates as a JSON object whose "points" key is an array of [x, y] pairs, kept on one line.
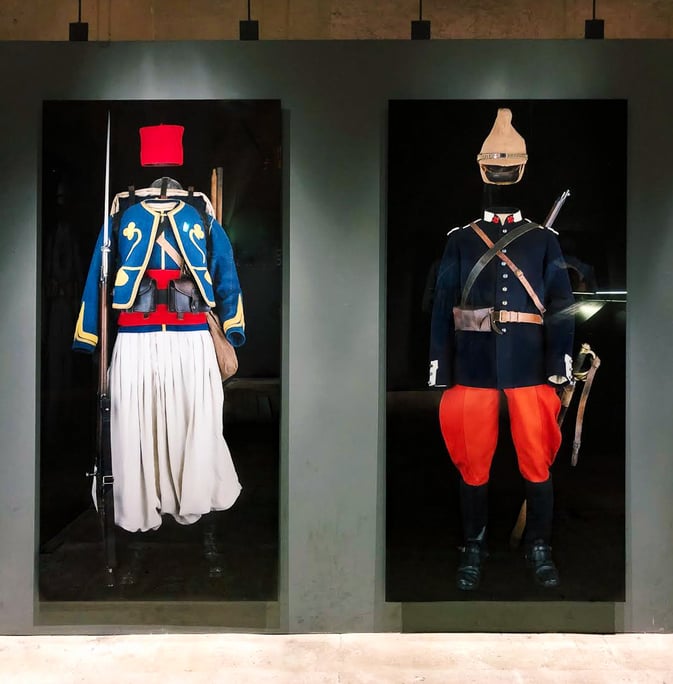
{"points": [[594, 29], [79, 30], [420, 28], [248, 29]]}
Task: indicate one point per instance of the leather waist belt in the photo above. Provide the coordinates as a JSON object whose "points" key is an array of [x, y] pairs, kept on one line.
{"points": [[486, 319], [516, 317]]}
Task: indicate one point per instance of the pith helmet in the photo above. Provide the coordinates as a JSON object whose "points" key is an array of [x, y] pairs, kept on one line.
{"points": [[503, 154]]}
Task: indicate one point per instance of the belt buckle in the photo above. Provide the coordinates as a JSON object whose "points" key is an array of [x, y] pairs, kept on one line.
{"points": [[495, 318]]}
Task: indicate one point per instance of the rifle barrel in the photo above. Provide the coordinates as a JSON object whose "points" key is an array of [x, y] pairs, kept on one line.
{"points": [[103, 468]]}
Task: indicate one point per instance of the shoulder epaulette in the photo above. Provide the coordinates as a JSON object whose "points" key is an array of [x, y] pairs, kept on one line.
{"points": [[542, 227], [467, 225]]}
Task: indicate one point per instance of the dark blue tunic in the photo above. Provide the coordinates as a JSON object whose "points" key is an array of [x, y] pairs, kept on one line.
{"points": [[525, 354]]}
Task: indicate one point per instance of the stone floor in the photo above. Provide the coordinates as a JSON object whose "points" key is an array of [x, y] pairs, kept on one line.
{"points": [[338, 659]]}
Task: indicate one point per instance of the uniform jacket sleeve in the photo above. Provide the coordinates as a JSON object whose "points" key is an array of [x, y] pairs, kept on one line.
{"points": [[226, 287], [447, 291], [559, 322], [86, 328]]}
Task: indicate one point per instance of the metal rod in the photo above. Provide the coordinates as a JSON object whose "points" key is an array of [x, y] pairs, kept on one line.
{"points": [[79, 11], [420, 10], [248, 10], [106, 213]]}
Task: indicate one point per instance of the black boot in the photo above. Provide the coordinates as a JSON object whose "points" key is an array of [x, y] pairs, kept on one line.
{"points": [[538, 556], [539, 515], [474, 512]]}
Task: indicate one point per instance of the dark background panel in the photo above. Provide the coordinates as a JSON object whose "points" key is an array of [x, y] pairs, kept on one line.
{"points": [[434, 185], [244, 138]]}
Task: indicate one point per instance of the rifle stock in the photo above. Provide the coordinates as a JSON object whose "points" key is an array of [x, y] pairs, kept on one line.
{"points": [[103, 469]]}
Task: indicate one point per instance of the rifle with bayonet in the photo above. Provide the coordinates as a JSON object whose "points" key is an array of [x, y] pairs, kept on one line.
{"points": [[102, 472]]}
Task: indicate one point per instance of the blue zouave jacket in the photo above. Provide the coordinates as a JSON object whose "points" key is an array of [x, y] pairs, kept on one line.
{"points": [[524, 354], [206, 251]]}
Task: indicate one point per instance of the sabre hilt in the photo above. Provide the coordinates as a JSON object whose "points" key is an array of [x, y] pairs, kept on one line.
{"points": [[578, 372], [556, 208]]}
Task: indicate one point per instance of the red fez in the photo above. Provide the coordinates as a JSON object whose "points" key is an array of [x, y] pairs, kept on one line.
{"points": [[161, 145]]}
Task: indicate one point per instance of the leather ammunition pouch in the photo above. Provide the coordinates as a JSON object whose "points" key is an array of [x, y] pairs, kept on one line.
{"points": [[184, 297], [146, 298], [476, 320]]}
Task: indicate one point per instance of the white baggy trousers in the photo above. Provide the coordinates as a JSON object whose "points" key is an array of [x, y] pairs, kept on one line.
{"points": [[169, 455]]}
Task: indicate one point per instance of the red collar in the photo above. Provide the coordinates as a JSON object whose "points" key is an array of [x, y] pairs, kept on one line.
{"points": [[491, 217]]}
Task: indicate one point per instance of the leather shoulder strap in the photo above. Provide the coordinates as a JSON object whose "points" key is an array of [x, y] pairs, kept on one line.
{"points": [[515, 270], [491, 252]]}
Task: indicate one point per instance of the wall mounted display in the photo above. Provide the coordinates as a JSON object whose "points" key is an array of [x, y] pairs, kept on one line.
{"points": [[362, 224], [167, 491], [506, 235]]}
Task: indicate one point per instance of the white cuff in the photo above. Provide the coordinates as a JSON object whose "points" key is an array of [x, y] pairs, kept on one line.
{"points": [[434, 365]]}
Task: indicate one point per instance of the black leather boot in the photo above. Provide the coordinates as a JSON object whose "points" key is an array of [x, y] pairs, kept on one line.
{"points": [[538, 556], [474, 512], [539, 516]]}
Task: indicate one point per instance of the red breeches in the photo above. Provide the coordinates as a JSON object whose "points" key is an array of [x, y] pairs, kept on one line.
{"points": [[468, 417]]}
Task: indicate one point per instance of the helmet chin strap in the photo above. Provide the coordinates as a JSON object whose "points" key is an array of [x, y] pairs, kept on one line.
{"points": [[494, 174]]}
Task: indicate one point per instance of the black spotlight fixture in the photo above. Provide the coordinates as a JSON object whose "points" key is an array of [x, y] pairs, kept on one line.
{"points": [[594, 29], [79, 30], [420, 29], [248, 29]]}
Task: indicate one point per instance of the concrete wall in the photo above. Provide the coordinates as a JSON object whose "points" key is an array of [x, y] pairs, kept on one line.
{"points": [[331, 19], [333, 444]]}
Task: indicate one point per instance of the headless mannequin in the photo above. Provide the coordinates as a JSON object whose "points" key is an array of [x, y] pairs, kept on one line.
{"points": [[499, 199], [504, 146], [166, 183], [474, 499]]}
